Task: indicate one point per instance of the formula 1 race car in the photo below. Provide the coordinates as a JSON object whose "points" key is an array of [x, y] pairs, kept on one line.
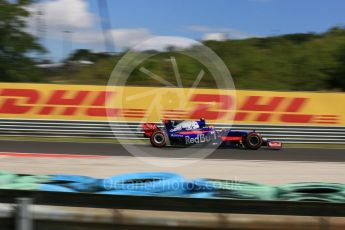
{"points": [[187, 133]]}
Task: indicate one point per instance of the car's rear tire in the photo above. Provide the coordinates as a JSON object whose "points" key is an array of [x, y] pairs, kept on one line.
{"points": [[253, 141], [158, 139]]}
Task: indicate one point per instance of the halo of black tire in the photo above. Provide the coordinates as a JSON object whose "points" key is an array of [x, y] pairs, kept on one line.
{"points": [[248, 143], [153, 141]]}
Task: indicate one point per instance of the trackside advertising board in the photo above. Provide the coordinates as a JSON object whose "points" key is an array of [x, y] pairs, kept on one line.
{"points": [[82, 102]]}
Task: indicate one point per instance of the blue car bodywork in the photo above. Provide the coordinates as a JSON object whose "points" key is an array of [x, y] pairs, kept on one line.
{"points": [[186, 133]]}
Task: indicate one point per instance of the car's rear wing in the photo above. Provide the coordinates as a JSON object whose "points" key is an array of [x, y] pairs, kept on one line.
{"points": [[149, 129]]}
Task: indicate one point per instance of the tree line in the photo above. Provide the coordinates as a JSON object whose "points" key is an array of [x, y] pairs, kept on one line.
{"points": [[293, 62]]}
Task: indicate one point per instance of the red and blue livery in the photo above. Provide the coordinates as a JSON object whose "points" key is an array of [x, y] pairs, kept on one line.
{"points": [[187, 133]]}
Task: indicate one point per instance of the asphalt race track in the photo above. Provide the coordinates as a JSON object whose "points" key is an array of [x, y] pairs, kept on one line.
{"points": [[107, 149]]}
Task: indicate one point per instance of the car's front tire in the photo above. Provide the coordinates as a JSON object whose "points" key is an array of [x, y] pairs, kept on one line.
{"points": [[253, 141], [158, 139]]}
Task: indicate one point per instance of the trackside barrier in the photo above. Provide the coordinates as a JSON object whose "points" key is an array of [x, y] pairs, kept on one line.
{"points": [[158, 192], [133, 131], [233, 189], [171, 184], [135, 104], [55, 215], [304, 208], [312, 191], [83, 111]]}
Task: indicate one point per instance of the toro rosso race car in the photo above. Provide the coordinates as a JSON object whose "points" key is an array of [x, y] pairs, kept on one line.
{"points": [[187, 133]]}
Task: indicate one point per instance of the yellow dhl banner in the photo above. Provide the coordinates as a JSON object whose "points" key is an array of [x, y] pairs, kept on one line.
{"points": [[81, 102]]}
